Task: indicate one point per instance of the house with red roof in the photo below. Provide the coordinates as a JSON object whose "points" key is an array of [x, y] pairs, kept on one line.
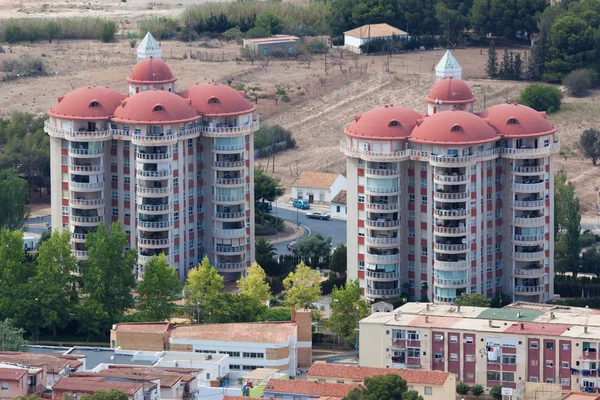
{"points": [[305, 390]]}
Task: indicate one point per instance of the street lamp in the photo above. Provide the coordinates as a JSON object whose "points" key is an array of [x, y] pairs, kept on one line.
{"points": [[276, 220], [37, 316], [356, 329], [198, 312], [334, 327], [297, 218]]}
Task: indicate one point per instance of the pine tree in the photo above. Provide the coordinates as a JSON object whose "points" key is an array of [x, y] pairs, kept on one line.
{"points": [[525, 66], [518, 67], [492, 64], [512, 65], [537, 59], [506, 66]]}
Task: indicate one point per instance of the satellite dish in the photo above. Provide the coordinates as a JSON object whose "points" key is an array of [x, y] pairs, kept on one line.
{"points": [[464, 240], [440, 101], [28, 381], [112, 357]]}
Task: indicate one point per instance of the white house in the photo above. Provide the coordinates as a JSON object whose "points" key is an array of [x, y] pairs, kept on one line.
{"points": [[318, 187], [356, 37], [338, 205], [448, 67]]}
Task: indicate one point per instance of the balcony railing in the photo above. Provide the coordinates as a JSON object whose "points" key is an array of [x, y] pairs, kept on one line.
{"points": [[552, 148], [230, 232], [451, 282], [368, 154], [528, 238], [237, 197], [86, 152], [525, 255], [155, 174], [85, 168], [381, 223], [382, 292], [153, 242], [229, 181], [229, 164], [153, 156], [529, 221], [451, 196], [458, 212], [142, 138], [155, 225], [78, 236], [533, 187], [154, 207], [449, 265], [451, 247], [529, 272], [230, 215], [394, 275], [382, 207], [86, 202], [86, 220], [529, 289], [153, 190], [382, 240], [382, 189], [529, 203], [86, 185], [381, 172], [446, 159], [527, 169], [229, 147], [377, 258], [80, 253], [231, 130], [230, 266], [451, 178], [73, 134], [230, 249], [450, 230]]}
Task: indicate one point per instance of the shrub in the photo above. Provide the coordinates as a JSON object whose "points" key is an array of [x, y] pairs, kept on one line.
{"points": [[462, 388], [477, 390], [580, 81], [496, 392], [12, 33], [587, 239], [270, 23], [162, 28], [267, 135], [541, 97], [256, 32], [53, 30], [285, 98], [25, 66], [132, 43], [316, 47], [107, 33], [232, 33]]}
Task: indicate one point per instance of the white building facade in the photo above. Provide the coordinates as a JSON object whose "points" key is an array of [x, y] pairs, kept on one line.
{"points": [[452, 201], [175, 169]]}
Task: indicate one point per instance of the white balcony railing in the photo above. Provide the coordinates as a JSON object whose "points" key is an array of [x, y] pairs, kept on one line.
{"points": [[529, 187], [152, 156], [154, 174], [154, 225], [213, 131], [153, 242], [529, 203], [229, 147], [382, 240], [451, 178], [528, 272], [377, 258], [140, 138], [86, 202], [451, 282], [229, 164], [382, 207], [229, 181], [528, 238], [230, 266], [451, 247], [528, 255], [382, 292], [458, 212], [529, 221], [381, 172], [451, 196], [86, 220], [450, 230], [230, 232], [382, 189], [381, 223], [448, 265], [394, 275], [81, 253], [230, 249], [153, 190], [86, 185], [86, 152], [230, 215], [529, 169], [154, 207], [367, 154], [529, 289], [85, 168], [228, 198], [542, 151]]}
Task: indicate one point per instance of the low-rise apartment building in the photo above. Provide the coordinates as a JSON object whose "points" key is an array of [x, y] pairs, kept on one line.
{"points": [[429, 384], [18, 381], [523, 342], [305, 390], [44, 369], [79, 386]]}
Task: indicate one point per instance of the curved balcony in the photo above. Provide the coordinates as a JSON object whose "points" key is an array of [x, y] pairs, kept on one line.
{"points": [[382, 259], [155, 208], [450, 265], [229, 250], [528, 256], [528, 272], [451, 248], [86, 169], [382, 276], [378, 172], [441, 196], [144, 157], [229, 181], [153, 191], [383, 293], [86, 186], [529, 204], [375, 190], [144, 259], [458, 179], [154, 226], [451, 161], [78, 237], [224, 165], [451, 283], [161, 174], [231, 131], [86, 153], [85, 221], [367, 155], [522, 169], [458, 213], [77, 135], [525, 221], [241, 232], [153, 140], [228, 148], [230, 266], [81, 254], [382, 241], [229, 198], [528, 238], [450, 231], [153, 243], [238, 215], [86, 203], [528, 187], [531, 153], [529, 290], [392, 207], [444, 300], [379, 224]]}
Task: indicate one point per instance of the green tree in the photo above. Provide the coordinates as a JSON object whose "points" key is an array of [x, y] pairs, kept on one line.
{"points": [[92, 318], [462, 388], [270, 23], [54, 282], [266, 188], [346, 305], [388, 387], [265, 256], [590, 261], [11, 257], [251, 54], [229, 308], [52, 30], [580, 81], [158, 288], [256, 32], [302, 287], [506, 68], [348, 14], [108, 273], [472, 300], [14, 199], [589, 144], [541, 97], [496, 392], [254, 284], [453, 17], [313, 249], [107, 32], [113, 394], [339, 262], [202, 283], [536, 66], [420, 16], [477, 390], [491, 67], [567, 216], [517, 67], [571, 45], [11, 337]]}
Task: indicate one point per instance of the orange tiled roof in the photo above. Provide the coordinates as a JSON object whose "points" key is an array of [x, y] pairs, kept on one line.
{"points": [[83, 385], [309, 388], [321, 180], [240, 332], [12, 374], [143, 327], [360, 373], [54, 363], [340, 198]]}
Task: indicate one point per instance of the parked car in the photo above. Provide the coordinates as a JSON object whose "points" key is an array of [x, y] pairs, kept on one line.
{"points": [[290, 245], [301, 204], [318, 215], [266, 206]]}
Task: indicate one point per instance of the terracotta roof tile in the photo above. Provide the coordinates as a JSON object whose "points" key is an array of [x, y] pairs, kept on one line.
{"points": [[84, 385], [360, 373], [239, 332], [12, 374], [53, 363], [167, 379], [340, 198], [309, 388], [374, 31], [311, 179]]}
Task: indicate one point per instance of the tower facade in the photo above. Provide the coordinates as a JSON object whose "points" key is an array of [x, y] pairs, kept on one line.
{"points": [[451, 201], [175, 169]]}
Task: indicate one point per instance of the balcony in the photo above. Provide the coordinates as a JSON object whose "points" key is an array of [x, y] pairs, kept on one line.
{"points": [[229, 198], [153, 242], [451, 283], [528, 256], [234, 131], [230, 266], [142, 157], [368, 155], [381, 172], [153, 191], [529, 203], [529, 221], [230, 215], [451, 248], [383, 293], [86, 186], [165, 173], [86, 169], [444, 230], [451, 178], [219, 249], [526, 169], [393, 190], [161, 208], [447, 160], [80, 134], [528, 187], [450, 265], [222, 148], [229, 164], [76, 152], [380, 258], [142, 259], [528, 238], [382, 276], [230, 181], [525, 152], [383, 241], [151, 226], [81, 254], [450, 214], [441, 196], [395, 206], [528, 272], [153, 140], [86, 203], [78, 237], [381, 223], [529, 290], [74, 219], [240, 232]]}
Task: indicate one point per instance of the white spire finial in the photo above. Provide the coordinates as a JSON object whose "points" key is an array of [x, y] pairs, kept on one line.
{"points": [[149, 47], [448, 67]]}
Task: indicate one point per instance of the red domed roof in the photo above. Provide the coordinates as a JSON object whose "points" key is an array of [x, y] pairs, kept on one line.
{"points": [[450, 91], [453, 127], [215, 99], [385, 122], [91, 103], [151, 71], [515, 119], [155, 107]]}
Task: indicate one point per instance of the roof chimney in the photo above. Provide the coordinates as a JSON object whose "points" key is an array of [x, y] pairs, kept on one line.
{"points": [[490, 323], [522, 326], [427, 318], [585, 329]]}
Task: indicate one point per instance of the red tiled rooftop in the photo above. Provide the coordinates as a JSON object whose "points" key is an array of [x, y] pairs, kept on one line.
{"points": [[309, 388], [360, 373], [12, 374], [143, 327], [84, 385], [536, 328], [53, 363], [240, 332]]}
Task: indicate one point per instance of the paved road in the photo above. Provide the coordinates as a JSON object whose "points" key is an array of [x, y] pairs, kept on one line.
{"points": [[336, 228], [37, 225]]}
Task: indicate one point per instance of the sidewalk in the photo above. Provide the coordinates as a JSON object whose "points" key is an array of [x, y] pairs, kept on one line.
{"points": [[313, 207]]}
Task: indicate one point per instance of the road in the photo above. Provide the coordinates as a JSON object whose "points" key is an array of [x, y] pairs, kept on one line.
{"points": [[336, 228], [37, 225]]}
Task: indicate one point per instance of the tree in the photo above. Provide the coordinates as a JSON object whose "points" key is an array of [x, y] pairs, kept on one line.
{"points": [[567, 225], [571, 45], [541, 97], [590, 261], [11, 337], [107, 32], [477, 390], [517, 67], [302, 287], [108, 273], [92, 318], [506, 68], [462, 388], [589, 144], [229, 308], [14, 198], [388, 387], [251, 54], [270, 23], [536, 66], [313, 249], [453, 17], [338, 262], [346, 305], [254, 284], [580, 82], [11, 257], [54, 282], [265, 254], [256, 32], [202, 283], [113, 394], [496, 392], [266, 188], [52, 30], [472, 300], [159, 286], [491, 67]]}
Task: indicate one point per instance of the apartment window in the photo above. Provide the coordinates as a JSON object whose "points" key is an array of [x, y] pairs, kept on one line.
{"points": [[473, 272], [498, 179], [453, 357], [176, 216], [361, 198], [127, 215], [550, 345], [4, 386], [508, 377], [453, 339], [498, 195], [411, 198], [411, 283], [126, 161], [499, 213], [488, 266], [424, 251], [127, 195], [176, 198], [127, 179], [498, 264], [191, 210], [126, 145], [565, 346], [398, 334], [488, 284], [423, 166], [498, 247], [411, 164], [190, 143], [65, 211], [233, 367], [498, 282], [411, 232], [565, 382], [423, 200], [411, 181], [489, 216], [488, 197], [191, 245], [489, 164], [428, 390], [253, 355], [115, 212], [424, 182], [473, 186], [175, 181], [470, 358], [546, 142], [565, 364], [509, 359], [411, 266], [115, 194], [175, 148], [469, 339], [489, 181], [115, 178], [424, 268], [549, 363], [488, 250], [413, 352], [493, 376], [549, 380], [411, 215], [533, 379], [413, 335], [113, 144]]}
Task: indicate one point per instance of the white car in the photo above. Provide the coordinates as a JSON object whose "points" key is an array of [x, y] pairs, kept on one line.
{"points": [[318, 215]]}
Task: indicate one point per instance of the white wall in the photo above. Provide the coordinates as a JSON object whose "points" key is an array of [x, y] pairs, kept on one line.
{"points": [[343, 210], [340, 183]]}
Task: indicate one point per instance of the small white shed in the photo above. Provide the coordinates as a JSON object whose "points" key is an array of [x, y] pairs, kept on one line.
{"points": [[318, 187], [356, 37]]}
